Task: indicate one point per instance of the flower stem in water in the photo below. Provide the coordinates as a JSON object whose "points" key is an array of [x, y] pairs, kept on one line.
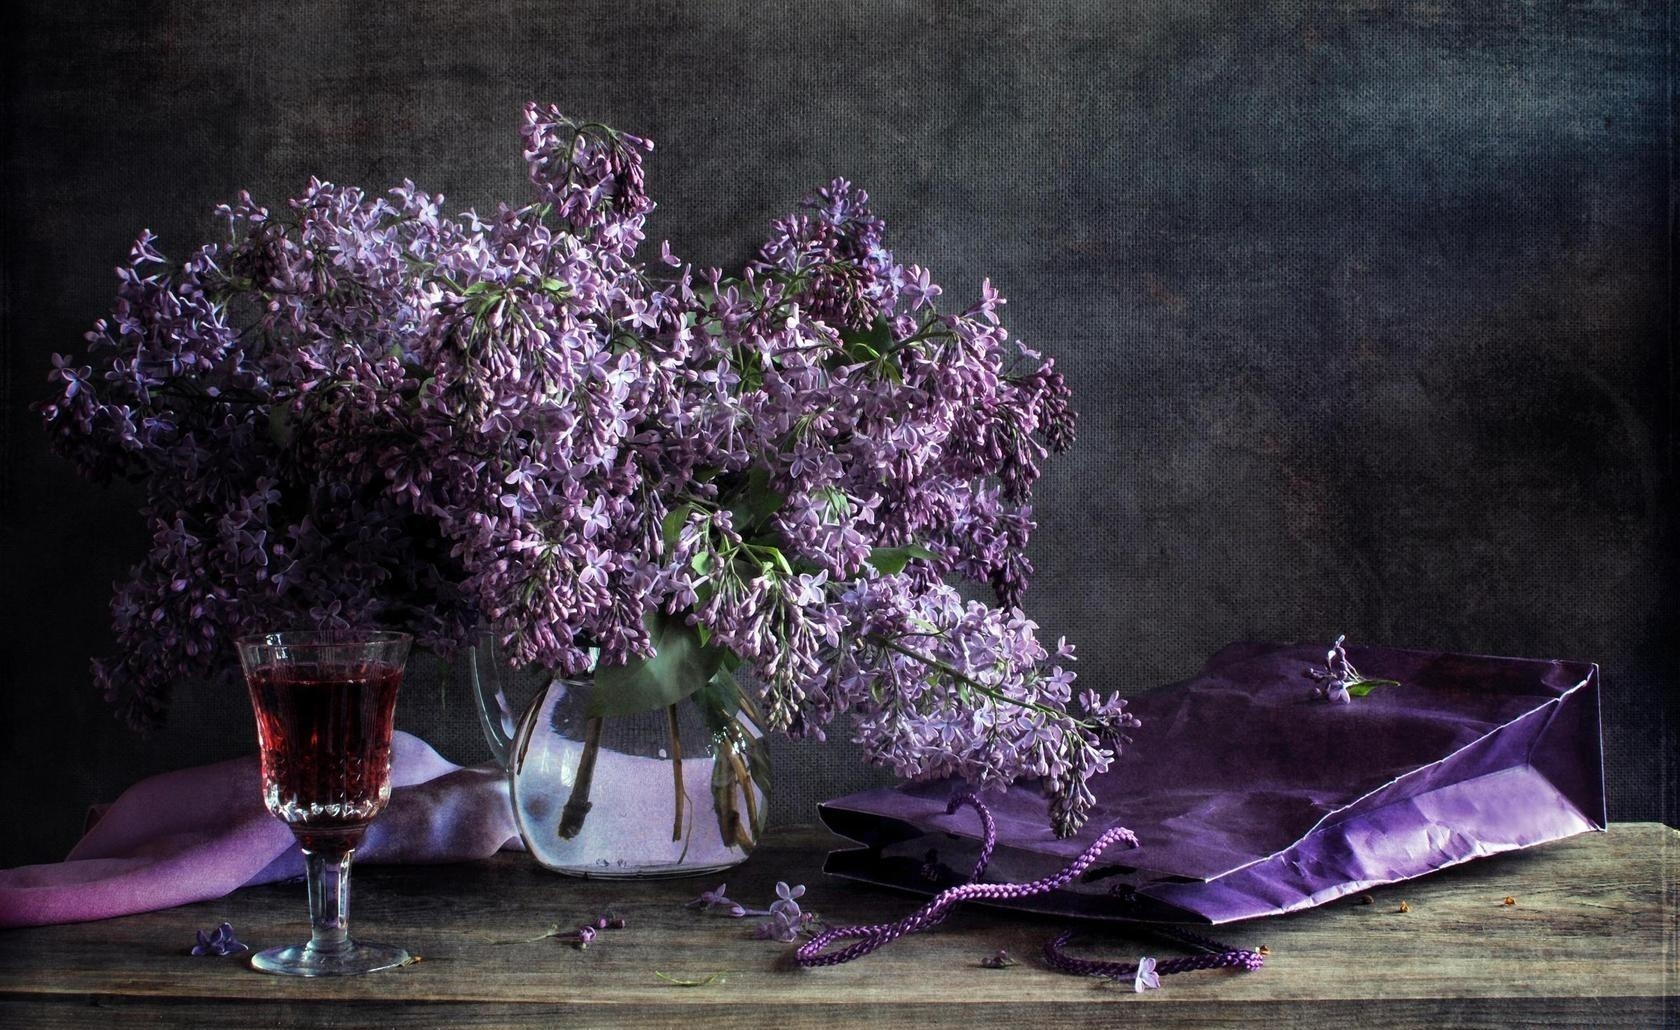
{"points": [[676, 774], [578, 805]]}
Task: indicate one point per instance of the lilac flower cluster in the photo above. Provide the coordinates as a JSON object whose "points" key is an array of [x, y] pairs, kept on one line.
{"points": [[359, 410], [1339, 682], [1332, 681]]}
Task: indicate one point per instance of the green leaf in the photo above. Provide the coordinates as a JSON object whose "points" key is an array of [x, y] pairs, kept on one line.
{"points": [[673, 524], [1360, 688], [756, 502], [870, 344], [280, 428], [857, 345], [778, 559], [891, 560], [880, 335], [680, 666]]}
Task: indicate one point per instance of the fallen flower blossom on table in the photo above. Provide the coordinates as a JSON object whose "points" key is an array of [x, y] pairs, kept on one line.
{"points": [[999, 960], [1146, 978], [219, 941], [787, 922], [711, 899]]}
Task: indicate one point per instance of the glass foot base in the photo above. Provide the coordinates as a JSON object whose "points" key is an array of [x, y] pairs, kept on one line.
{"points": [[303, 960]]}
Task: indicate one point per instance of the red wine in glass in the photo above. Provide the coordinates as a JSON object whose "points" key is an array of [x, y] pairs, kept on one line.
{"points": [[325, 703], [325, 732]]}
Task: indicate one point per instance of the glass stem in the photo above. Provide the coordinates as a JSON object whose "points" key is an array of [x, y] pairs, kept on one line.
{"points": [[329, 899]]}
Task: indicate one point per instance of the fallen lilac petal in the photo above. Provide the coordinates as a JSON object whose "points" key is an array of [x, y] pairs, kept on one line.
{"points": [[1146, 978], [712, 899]]}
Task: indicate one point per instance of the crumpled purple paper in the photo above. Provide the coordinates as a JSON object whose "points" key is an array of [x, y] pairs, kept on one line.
{"points": [[1251, 798], [201, 833]]}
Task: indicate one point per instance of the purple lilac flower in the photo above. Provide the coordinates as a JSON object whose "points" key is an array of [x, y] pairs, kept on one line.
{"points": [[711, 899], [1339, 682], [779, 928], [1146, 978], [787, 897], [786, 922], [360, 409], [219, 941], [786, 919]]}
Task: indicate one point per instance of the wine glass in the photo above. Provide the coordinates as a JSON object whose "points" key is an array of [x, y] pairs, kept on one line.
{"points": [[325, 702]]}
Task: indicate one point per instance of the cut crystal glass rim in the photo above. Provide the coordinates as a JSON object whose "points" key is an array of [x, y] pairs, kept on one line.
{"points": [[304, 643], [304, 637]]}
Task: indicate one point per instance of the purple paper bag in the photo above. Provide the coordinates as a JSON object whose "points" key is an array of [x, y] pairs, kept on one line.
{"points": [[1250, 797]]}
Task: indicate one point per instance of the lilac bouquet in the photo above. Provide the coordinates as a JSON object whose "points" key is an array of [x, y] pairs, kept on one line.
{"points": [[357, 410]]}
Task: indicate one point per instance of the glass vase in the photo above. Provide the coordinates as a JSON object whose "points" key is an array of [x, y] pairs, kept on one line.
{"points": [[676, 791]]}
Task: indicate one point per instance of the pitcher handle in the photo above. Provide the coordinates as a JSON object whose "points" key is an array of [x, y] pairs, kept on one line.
{"points": [[495, 715]]}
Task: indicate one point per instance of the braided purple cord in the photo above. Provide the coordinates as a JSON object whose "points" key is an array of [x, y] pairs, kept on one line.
{"points": [[987, 845], [934, 912], [1179, 935], [1219, 957], [987, 825], [869, 938]]}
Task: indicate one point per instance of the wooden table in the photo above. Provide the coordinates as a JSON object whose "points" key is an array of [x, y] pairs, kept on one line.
{"points": [[1591, 940]]}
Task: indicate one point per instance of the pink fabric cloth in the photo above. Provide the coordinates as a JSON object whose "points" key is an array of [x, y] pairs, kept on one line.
{"points": [[201, 833]]}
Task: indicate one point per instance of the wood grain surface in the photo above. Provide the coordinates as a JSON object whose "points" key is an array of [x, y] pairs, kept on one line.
{"points": [[1591, 939]]}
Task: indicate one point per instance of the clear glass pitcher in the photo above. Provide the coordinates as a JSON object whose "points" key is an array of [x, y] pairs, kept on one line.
{"points": [[675, 791]]}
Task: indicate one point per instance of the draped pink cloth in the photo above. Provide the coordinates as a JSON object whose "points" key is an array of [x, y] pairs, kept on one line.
{"points": [[198, 834]]}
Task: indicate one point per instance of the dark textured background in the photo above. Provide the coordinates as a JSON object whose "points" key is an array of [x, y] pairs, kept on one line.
{"points": [[1368, 306]]}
